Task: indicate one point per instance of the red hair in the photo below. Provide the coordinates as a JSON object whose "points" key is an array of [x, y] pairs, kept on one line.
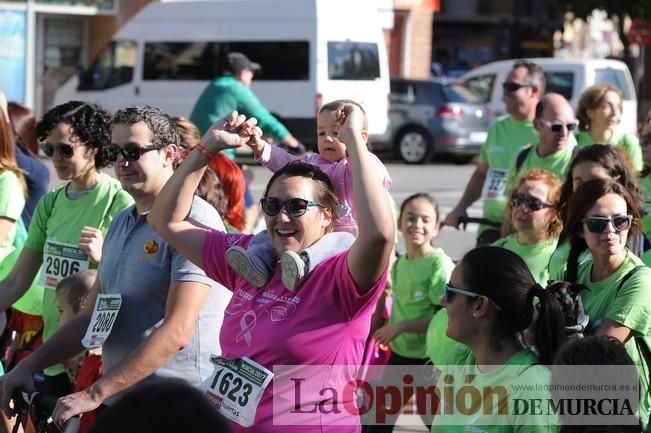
{"points": [[233, 184]]}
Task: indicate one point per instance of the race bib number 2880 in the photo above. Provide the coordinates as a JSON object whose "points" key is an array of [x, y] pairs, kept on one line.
{"points": [[236, 387]]}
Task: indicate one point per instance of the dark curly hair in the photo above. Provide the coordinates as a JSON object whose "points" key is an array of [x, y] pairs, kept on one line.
{"points": [[90, 123], [161, 125]]}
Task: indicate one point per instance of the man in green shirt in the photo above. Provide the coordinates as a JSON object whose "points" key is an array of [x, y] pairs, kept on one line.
{"points": [[523, 88], [231, 92], [554, 122]]}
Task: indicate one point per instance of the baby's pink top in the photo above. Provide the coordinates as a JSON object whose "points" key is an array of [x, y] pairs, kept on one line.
{"points": [[324, 323], [275, 158]]}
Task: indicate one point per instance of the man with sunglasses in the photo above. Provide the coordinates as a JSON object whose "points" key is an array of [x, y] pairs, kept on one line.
{"points": [[554, 122], [523, 88], [168, 313]]}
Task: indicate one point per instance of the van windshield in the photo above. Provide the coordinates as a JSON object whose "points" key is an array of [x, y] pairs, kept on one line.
{"points": [[353, 61], [113, 67]]}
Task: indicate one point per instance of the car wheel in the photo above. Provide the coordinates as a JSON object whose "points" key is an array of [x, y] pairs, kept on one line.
{"points": [[414, 146]]}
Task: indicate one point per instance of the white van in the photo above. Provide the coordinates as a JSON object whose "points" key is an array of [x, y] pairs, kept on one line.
{"points": [[569, 77], [311, 52]]}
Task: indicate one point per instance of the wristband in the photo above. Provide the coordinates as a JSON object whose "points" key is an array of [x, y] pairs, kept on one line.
{"points": [[205, 152]]}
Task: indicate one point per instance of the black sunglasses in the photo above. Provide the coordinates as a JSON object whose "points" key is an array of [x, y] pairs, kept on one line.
{"points": [[514, 87], [450, 291], [130, 152], [295, 207], [598, 224], [557, 126], [532, 203], [65, 150]]}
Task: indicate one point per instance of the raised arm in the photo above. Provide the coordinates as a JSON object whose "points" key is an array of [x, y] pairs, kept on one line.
{"points": [[369, 256], [169, 214]]}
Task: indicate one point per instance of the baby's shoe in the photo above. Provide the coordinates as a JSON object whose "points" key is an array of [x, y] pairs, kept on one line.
{"points": [[244, 265], [293, 267]]}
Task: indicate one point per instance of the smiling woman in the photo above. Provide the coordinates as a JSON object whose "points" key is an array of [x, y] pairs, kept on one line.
{"points": [[326, 320]]}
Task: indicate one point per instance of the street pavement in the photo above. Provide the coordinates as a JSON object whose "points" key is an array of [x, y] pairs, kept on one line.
{"points": [[444, 181]]}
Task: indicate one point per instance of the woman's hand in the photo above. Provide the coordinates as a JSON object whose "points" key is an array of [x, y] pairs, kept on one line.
{"points": [[91, 241], [387, 333], [230, 132]]}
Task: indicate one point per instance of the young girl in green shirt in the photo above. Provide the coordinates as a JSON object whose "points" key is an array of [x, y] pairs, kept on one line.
{"points": [[419, 279]]}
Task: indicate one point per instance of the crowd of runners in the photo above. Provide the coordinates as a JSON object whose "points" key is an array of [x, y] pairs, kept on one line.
{"points": [[113, 286]]}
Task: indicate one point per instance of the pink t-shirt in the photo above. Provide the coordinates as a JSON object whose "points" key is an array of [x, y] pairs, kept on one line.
{"points": [[340, 174], [325, 322]]}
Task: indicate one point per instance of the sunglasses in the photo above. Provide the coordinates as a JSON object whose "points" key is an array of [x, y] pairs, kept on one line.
{"points": [[295, 207], [130, 152], [514, 87], [65, 150], [598, 224], [450, 291], [557, 126], [532, 203]]}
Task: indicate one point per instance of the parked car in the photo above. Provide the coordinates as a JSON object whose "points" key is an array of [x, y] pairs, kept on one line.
{"points": [[428, 118], [569, 77]]}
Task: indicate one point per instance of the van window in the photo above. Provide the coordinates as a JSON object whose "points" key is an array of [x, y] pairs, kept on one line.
{"points": [[353, 61], [560, 82], [615, 77], [481, 86], [205, 60], [113, 67]]}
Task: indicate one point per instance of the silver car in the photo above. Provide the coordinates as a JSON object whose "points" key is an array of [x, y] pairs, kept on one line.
{"points": [[434, 117]]}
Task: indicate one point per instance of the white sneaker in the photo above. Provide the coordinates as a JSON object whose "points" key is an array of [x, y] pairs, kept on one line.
{"points": [[241, 263], [293, 268]]}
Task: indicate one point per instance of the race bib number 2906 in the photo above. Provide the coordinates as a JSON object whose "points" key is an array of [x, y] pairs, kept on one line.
{"points": [[60, 261], [236, 387]]}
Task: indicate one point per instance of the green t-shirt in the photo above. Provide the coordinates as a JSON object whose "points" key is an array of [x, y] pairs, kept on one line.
{"points": [[54, 232], [558, 163], [645, 185], [631, 308], [418, 286], [536, 256], [506, 137], [519, 373], [12, 202], [437, 343], [629, 142]]}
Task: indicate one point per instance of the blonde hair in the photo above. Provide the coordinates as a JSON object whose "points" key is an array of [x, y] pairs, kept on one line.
{"points": [[591, 98], [555, 226]]}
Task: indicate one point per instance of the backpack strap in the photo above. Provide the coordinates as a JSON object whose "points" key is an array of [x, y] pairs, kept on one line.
{"points": [[640, 344], [522, 156]]}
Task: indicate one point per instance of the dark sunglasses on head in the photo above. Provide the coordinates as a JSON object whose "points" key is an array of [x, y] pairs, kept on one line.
{"points": [[295, 207], [450, 291], [597, 224], [531, 203], [130, 152], [514, 87], [557, 126], [65, 150]]}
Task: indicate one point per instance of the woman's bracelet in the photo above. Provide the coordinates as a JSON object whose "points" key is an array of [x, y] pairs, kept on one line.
{"points": [[205, 152]]}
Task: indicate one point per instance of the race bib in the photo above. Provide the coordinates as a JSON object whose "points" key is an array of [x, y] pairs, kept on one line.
{"points": [[105, 312], [494, 185], [236, 387], [61, 260]]}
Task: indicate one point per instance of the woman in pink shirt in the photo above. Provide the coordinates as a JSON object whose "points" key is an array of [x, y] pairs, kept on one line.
{"points": [[317, 332]]}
